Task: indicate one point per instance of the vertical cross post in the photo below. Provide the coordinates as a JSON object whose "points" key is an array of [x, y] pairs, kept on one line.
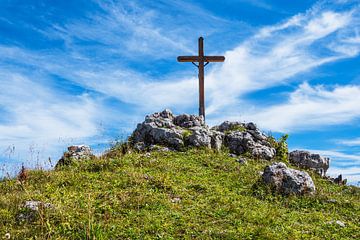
{"points": [[201, 78]]}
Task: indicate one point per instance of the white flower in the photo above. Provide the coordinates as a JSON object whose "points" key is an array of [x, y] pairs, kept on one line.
{"points": [[7, 236]]}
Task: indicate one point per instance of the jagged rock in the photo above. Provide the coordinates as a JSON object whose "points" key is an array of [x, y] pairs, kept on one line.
{"points": [[139, 146], [241, 142], [188, 121], [287, 180], [217, 139], [250, 126], [158, 128], [229, 126], [172, 131], [30, 210], [307, 160], [75, 153], [338, 180], [200, 137]]}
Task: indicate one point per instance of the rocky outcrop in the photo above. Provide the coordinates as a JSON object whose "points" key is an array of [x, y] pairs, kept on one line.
{"points": [[307, 160], [288, 181], [75, 153], [185, 130], [338, 180], [246, 137]]}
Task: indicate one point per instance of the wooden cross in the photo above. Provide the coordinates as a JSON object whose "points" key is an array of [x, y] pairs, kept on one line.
{"points": [[203, 61]]}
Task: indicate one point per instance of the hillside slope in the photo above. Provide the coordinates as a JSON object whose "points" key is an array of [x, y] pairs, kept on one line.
{"points": [[196, 194]]}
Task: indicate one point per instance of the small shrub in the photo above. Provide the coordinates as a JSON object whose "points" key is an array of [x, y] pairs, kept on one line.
{"points": [[23, 174], [281, 147]]}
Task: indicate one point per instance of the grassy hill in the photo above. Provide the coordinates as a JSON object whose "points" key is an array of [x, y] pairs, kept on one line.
{"points": [[197, 194]]}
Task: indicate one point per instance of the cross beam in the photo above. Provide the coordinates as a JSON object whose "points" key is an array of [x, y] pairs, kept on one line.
{"points": [[202, 61]]}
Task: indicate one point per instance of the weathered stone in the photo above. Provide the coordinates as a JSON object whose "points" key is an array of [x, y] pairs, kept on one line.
{"points": [[338, 180], [287, 180], [234, 141], [29, 211], [167, 114], [172, 131], [188, 121], [139, 146], [168, 137], [307, 160], [263, 152], [257, 135], [250, 126], [79, 151], [229, 126], [75, 153], [241, 142], [217, 139], [200, 137]]}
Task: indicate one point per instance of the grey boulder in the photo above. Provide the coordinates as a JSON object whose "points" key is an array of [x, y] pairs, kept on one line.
{"points": [[241, 142], [307, 160], [287, 180]]}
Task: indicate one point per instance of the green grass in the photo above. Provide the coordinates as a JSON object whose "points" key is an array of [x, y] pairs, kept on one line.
{"points": [[197, 194], [238, 128]]}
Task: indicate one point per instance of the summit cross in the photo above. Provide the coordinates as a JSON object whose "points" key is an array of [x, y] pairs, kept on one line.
{"points": [[202, 61]]}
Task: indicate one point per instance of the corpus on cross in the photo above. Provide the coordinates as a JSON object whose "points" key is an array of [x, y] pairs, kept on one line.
{"points": [[202, 61]]}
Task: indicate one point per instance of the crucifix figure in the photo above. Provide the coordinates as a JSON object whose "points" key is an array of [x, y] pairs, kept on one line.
{"points": [[202, 62]]}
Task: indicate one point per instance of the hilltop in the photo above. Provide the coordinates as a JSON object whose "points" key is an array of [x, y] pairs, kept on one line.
{"points": [[142, 191]]}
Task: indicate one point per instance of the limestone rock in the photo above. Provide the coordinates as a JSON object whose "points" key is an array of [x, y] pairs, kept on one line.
{"points": [[200, 137], [229, 126], [241, 142], [176, 132], [29, 210], [338, 180], [188, 121], [287, 180], [307, 160], [75, 153]]}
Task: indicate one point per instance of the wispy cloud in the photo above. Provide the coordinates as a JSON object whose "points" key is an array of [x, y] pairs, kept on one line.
{"points": [[349, 142], [278, 53], [311, 107], [37, 111], [272, 57]]}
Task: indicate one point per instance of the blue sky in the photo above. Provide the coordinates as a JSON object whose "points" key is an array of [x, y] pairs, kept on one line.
{"points": [[81, 71]]}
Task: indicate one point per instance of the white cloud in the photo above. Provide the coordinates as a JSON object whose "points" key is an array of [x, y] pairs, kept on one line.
{"points": [[40, 121], [349, 142], [310, 107], [278, 53]]}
